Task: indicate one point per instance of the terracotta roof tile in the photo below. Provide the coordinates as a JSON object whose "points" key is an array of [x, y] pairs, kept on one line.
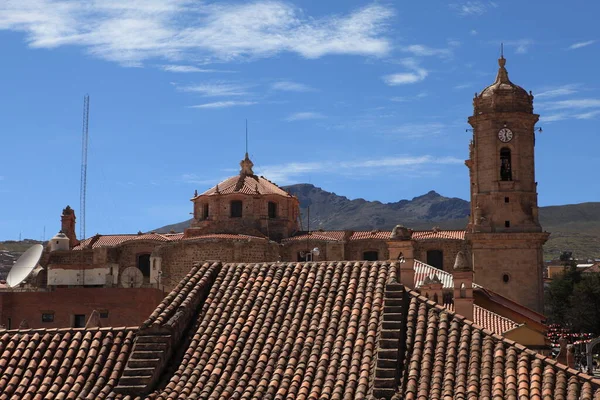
{"points": [[230, 236], [46, 363], [365, 235], [488, 319], [246, 184], [317, 235], [437, 234], [448, 357], [116, 240], [286, 330]]}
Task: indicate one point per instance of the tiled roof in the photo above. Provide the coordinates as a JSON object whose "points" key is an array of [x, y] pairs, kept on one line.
{"points": [[376, 234], [231, 236], [286, 330], [317, 235], [488, 319], [449, 357], [62, 363], [97, 241], [246, 184], [436, 234]]}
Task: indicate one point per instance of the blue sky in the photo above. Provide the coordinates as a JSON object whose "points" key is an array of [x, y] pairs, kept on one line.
{"points": [[365, 99]]}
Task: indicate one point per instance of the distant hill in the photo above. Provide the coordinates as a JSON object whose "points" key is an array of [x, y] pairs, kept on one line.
{"points": [[574, 227]]}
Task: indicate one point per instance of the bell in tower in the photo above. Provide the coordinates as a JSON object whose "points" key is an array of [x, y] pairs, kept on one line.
{"points": [[504, 230]]}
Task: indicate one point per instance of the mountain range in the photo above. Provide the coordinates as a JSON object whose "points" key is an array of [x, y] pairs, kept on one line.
{"points": [[574, 227]]}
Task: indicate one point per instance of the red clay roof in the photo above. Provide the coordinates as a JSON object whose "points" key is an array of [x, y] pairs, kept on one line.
{"points": [[115, 240], [229, 236], [437, 234], [290, 331], [317, 235], [62, 363], [375, 234], [488, 319], [246, 184], [450, 357]]}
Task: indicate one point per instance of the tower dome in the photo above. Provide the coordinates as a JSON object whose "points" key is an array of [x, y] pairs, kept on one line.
{"points": [[503, 95], [245, 204]]}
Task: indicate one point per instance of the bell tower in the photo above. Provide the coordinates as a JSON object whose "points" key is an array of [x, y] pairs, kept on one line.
{"points": [[504, 230]]}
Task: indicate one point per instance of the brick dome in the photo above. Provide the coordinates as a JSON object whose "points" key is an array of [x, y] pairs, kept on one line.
{"points": [[503, 95]]}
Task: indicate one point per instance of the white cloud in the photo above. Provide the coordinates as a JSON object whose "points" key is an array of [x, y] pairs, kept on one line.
{"points": [[417, 130], [588, 115], [554, 117], [521, 46], [224, 104], [581, 44], [421, 50], [473, 32], [288, 86], [188, 69], [468, 8], [558, 91], [216, 89], [571, 109], [570, 104], [463, 86], [131, 32], [292, 172], [417, 75], [301, 116]]}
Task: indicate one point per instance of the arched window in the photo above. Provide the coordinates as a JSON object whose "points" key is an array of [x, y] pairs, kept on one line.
{"points": [[143, 263], [505, 165], [435, 258], [204, 211], [236, 209], [272, 208], [370, 256]]}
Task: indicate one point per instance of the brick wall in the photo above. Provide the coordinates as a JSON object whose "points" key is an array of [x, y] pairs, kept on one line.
{"points": [[449, 248], [126, 307], [178, 258], [356, 248]]}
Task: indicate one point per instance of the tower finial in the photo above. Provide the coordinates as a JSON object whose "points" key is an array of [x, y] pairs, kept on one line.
{"points": [[501, 50]]}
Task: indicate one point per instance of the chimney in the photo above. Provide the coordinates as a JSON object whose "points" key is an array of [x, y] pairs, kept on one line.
{"points": [[462, 275], [401, 249], [68, 226], [432, 288]]}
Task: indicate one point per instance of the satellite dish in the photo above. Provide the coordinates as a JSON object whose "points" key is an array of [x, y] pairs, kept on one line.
{"points": [[24, 265], [132, 277]]}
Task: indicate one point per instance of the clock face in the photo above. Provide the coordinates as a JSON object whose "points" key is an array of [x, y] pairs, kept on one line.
{"points": [[505, 135]]}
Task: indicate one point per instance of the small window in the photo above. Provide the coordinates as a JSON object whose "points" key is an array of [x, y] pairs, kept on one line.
{"points": [[79, 321], [505, 165], [272, 209], [205, 211], [103, 313], [507, 224], [505, 278], [506, 200], [370, 256], [143, 263], [236, 209], [435, 258], [48, 317]]}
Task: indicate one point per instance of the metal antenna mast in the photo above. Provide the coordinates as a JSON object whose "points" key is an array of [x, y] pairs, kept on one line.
{"points": [[84, 151]]}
